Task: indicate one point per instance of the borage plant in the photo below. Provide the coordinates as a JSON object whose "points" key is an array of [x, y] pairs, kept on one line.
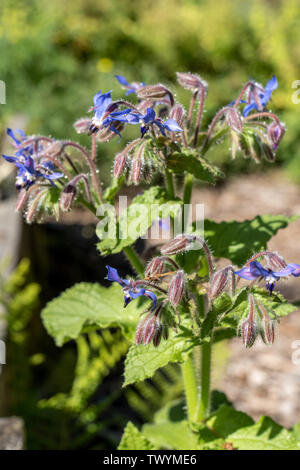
{"points": [[185, 299]]}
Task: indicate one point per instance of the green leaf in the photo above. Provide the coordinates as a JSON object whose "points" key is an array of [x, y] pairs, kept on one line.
{"points": [[135, 221], [88, 305], [142, 361], [237, 241], [175, 435], [226, 420], [133, 439], [264, 435], [188, 160], [113, 189]]}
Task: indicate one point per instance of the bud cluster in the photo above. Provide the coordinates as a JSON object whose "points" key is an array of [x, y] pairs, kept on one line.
{"points": [[258, 322]]}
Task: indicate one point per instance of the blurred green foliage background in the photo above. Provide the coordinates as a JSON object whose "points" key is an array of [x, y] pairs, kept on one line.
{"points": [[56, 55]]}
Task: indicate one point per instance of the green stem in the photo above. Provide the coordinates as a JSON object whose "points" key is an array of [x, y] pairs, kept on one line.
{"points": [[134, 260], [170, 184], [190, 387], [204, 400]]}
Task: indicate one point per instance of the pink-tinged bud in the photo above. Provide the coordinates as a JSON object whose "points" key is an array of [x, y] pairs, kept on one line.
{"points": [[234, 144], [179, 244], [234, 120], [22, 199], [34, 206], [157, 336], [136, 170], [144, 105], [275, 261], [218, 283], [155, 266], [139, 334], [267, 326], [104, 134], [155, 93], [275, 132], [176, 288], [177, 113], [67, 197], [191, 81], [268, 152], [249, 328], [152, 326], [120, 165], [82, 125]]}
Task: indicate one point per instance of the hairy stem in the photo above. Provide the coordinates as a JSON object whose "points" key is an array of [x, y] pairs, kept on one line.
{"points": [[134, 260], [203, 407], [190, 387]]}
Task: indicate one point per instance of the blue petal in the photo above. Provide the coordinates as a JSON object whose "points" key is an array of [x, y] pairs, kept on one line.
{"points": [[296, 269], [149, 116], [160, 126], [29, 165], [122, 80], [152, 296], [272, 84], [257, 270], [135, 295], [249, 108], [172, 125], [285, 272], [101, 102], [53, 176], [246, 274], [11, 134], [14, 160], [113, 275]]}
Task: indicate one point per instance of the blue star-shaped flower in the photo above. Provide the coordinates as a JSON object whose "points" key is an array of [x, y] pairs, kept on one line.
{"points": [[105, 113], [150, 119], [28, 172], [130, 87], [263, 95], [129, 289], [255, 270]]}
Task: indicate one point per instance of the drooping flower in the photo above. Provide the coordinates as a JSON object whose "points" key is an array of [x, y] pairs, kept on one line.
{"points": [[29, 170], [130, 287], [150, 119], [255, 271], [259, 96], [132, 87], [105, 113]]}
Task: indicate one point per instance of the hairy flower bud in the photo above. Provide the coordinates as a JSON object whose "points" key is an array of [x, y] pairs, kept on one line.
{"points": [[234, 144], [218, 283], [82, 125], [190, 81], [275, 261], [179, 244], [105, 134], [234, 120], [155, 266], [67, 197], [136, 170], [176, 288], [120, 165], [275, 132], [267, 326], [249, 328], [155, 93], [268, 152], [177, 113]]}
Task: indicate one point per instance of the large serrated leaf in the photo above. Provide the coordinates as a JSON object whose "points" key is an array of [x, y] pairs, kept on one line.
{"points": [[236, 241], [133, 439], [88, 305], [264, 435], [135, 221]]}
